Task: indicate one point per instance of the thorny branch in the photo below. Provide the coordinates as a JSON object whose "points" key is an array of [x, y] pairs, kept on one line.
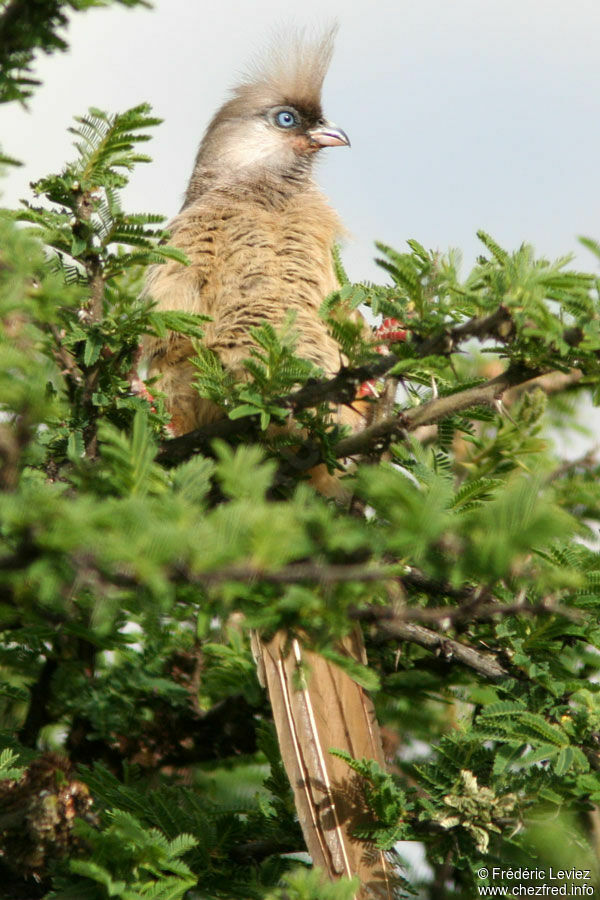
{"points": [[295, 572], [449, 648], [343, 387], [475, 604], [398, 622], [429, 413], [473, 611], [91, 312], [549, 383], [498, 324], [395, 622], [92, 261], [373, 437], [65, 359]]}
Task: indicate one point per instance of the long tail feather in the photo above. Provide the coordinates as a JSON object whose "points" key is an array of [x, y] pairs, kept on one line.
{"points": [[317, 707]]}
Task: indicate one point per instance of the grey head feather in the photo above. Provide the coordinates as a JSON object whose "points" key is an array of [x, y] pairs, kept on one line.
{"points": [[290, 73], [294, 68]]}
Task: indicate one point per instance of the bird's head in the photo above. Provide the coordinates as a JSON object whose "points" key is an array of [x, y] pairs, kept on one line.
{"points": [[274, 122]]}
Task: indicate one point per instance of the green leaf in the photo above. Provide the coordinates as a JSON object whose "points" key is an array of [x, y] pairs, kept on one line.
{"points": [[363, 675], [93, 346]]}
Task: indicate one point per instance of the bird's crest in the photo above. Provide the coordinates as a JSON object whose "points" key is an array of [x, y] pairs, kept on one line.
{"points": [[292, 70]]}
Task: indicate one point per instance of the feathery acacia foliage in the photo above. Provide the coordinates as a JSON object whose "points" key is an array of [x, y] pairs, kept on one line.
{"points": [[137, 755]]}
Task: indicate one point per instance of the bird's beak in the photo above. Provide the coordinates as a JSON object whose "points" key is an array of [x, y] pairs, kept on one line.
{"points": [[328, 135]]}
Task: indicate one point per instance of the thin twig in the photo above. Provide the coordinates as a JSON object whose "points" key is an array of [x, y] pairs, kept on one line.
{"points": [[587, 461], [65, 359], [473, 611], [319, 573]]}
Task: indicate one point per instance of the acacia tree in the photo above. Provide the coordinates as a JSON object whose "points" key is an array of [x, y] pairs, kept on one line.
{"points": [[138, 753]]}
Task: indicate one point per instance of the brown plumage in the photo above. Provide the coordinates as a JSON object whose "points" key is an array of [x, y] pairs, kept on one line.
{"points": [[259, 236], [258, 232]]}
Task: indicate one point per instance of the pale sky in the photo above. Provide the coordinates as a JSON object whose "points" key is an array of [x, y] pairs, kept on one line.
{"points": [[463, 114]]}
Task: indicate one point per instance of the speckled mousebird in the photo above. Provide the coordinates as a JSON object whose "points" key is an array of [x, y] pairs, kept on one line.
{"points": [[259, 236]]}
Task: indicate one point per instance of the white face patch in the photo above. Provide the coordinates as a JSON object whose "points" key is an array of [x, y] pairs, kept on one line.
{"points": [[254, 142]]}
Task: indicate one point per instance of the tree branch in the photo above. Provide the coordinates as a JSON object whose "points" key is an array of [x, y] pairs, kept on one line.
{"points": [[398, 623], [177, 450], [448, 648], [498, 324], [65, 359], [319, 573], [343, 387], [477, 609], [375, 437], [40, 696], [257, 851], [550, 383]]}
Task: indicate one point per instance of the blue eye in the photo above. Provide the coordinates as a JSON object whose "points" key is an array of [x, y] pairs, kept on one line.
{"points": [[286, 119]]}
